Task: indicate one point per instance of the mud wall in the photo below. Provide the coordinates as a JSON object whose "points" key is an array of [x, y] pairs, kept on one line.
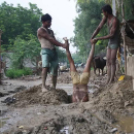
{"points": [[130, 67]]}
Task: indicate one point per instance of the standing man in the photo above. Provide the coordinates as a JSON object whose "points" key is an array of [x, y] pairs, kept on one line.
{"points": [[48, 51], [113, 36]]}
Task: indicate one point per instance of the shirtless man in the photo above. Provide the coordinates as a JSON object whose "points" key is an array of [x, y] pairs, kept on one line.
{"points": [[48, 51], [80, 88], [113, 36]]}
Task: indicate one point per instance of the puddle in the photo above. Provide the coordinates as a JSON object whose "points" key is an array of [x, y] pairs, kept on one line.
{"points": [[3, 122], [126, 123]]}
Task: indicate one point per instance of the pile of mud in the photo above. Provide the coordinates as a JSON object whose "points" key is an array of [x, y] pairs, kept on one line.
{"points": [[64, 78], [117, 96], [85, 123], [35, 96]]}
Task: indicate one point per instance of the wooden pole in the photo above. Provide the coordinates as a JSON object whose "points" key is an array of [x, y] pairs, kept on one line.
{"points": [[0, 59], [124, 34]]}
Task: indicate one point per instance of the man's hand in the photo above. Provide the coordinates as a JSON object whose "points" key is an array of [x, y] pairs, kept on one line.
{"points": [[93, 41]]}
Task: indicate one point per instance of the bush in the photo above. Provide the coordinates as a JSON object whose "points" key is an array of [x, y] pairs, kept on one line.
{"points": [[16, 73]]}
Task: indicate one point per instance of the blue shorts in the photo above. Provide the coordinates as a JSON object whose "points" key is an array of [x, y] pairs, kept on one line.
{"points": [[50, 60]]}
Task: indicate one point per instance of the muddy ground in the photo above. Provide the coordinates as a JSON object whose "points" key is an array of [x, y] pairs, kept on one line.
{"points": [[110, 109]]}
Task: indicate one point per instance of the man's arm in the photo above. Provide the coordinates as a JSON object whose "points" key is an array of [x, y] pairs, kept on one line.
{"points": [[112, 31], [45, 35], [99, 27]]}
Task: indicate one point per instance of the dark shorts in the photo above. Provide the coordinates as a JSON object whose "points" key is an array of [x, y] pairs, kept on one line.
{"points": [[113, 46]]}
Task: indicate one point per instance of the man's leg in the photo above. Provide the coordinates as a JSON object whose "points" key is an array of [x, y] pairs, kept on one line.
{"points": [[108, 65], [45, 67], [54, 68], [70, 59], [54, 81], [44, 76], [54, 77], [89, 60], [113, 64]]}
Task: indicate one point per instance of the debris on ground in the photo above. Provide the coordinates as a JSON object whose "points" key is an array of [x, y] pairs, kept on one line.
{"points": [[64, 78], [116, 96], [9, 100], [106, 112]]}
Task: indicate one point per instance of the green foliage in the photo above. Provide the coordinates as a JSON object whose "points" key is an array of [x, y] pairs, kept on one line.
{"points": [[23, 50], [78, 58], [15, 73], [128, 8], [89, 16], [18, 20], [61, 55]]}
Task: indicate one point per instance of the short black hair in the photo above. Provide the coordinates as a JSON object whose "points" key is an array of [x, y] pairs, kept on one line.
{"points": [[107, 8], [46, 17]]}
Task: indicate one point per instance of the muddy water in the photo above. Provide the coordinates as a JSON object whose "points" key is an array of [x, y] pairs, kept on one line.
{"points": [[2, 123], [126, 124]]}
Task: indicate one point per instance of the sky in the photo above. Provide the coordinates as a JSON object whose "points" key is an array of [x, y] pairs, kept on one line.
{"points": [[63, 13]]}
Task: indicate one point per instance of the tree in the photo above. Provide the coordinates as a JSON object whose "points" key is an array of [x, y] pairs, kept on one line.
{"points": [[18, 21], [89, 16], [23, 50]]}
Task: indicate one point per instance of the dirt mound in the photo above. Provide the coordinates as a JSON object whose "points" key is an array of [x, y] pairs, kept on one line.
{"points": [[35, 96], [117, 96], [64, 78], [84, 123]]}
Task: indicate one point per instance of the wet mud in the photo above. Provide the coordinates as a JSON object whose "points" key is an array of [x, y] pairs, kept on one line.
{"points": [[110, 110]]}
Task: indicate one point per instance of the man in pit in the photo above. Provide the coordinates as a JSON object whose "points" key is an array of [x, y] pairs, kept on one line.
{"points": [[80, 88], [48, 51], [113, 36]]}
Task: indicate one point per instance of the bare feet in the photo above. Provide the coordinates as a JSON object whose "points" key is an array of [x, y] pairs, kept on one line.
{"points": [[44, 89]]}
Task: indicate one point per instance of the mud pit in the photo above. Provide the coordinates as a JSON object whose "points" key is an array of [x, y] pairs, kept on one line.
{"points": [[35, 96], [110, 110]]}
